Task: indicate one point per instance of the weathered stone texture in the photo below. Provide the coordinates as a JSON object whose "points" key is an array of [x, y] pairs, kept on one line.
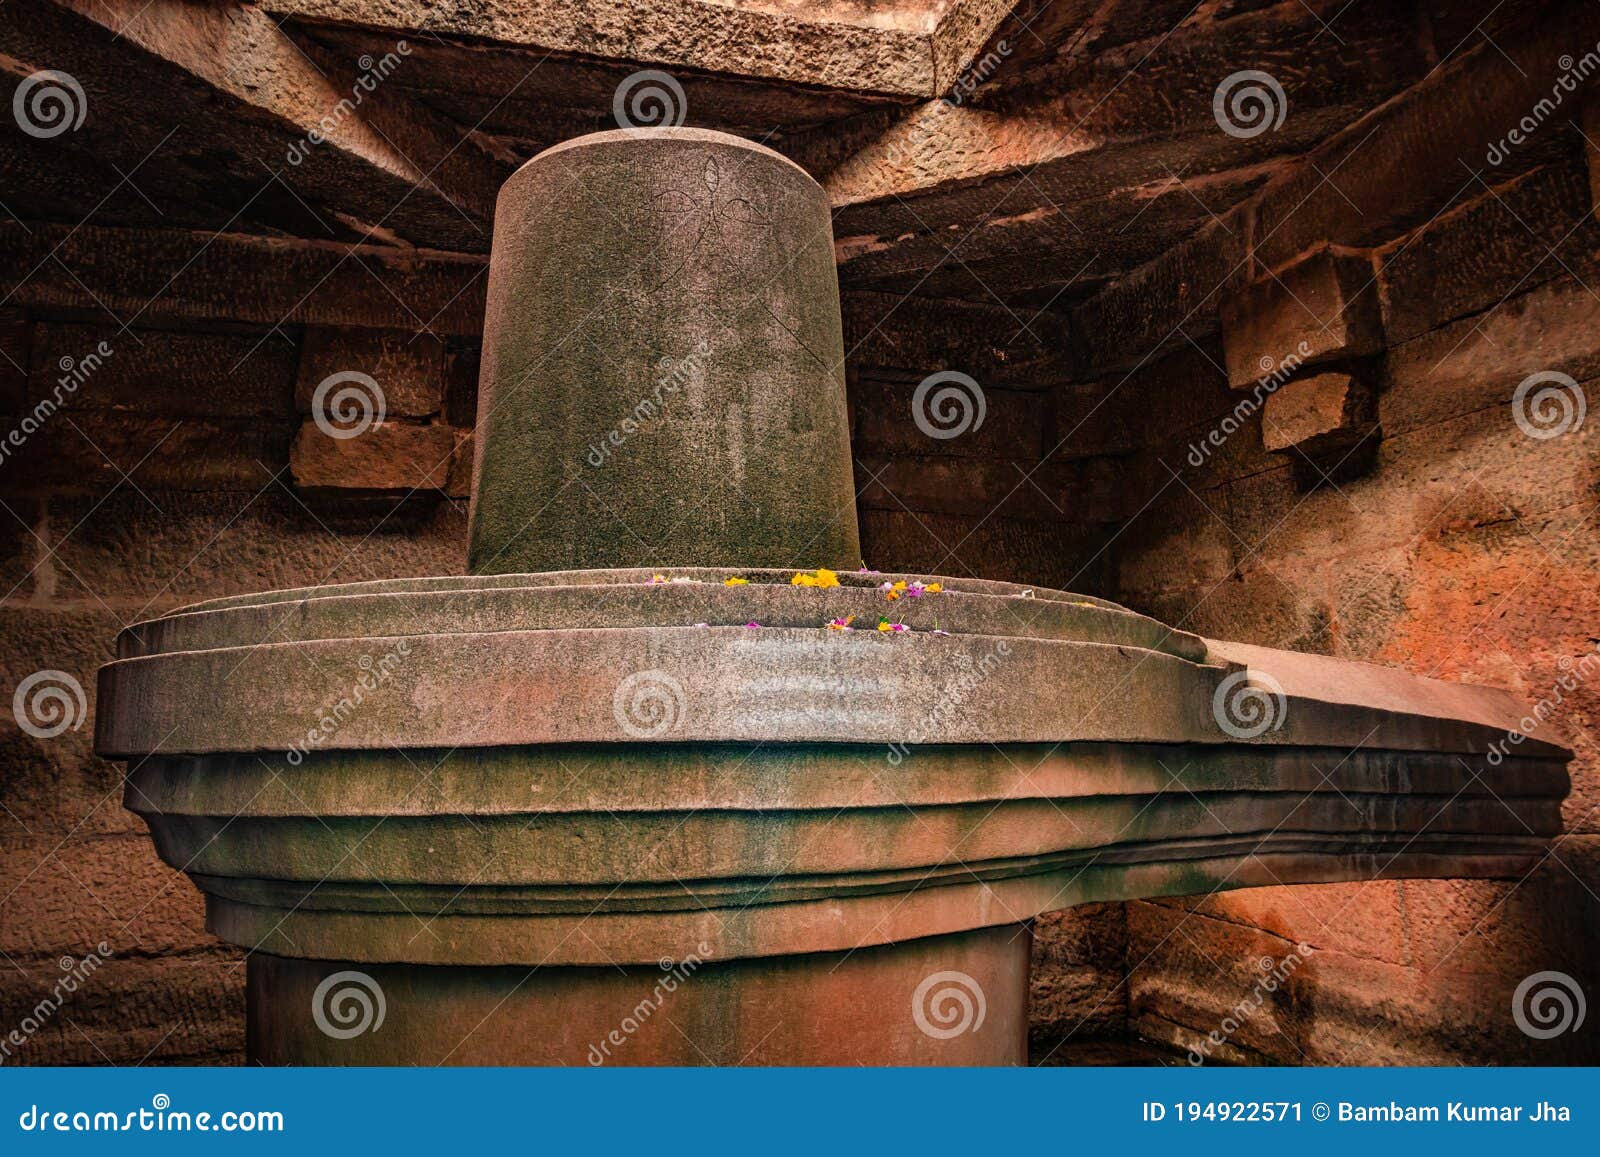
{"points": [[1320, 416], [1469, 553], [1323, 306]]}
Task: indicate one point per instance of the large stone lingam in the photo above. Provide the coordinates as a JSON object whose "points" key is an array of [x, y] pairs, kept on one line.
{"points": [[560, 812]]}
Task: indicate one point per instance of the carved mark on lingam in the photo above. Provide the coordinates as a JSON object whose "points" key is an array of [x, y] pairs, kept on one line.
{"points": [[704, 223]]}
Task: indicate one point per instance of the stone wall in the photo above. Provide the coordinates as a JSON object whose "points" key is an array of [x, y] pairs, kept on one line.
{"points": [[163, 478], [1450, 542]]}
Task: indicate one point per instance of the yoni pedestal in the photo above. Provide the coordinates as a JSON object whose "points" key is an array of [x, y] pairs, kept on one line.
{"points": [[675, 806]]}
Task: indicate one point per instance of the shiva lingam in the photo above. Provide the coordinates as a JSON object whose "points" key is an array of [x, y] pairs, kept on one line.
{"points": [[648, 786]]}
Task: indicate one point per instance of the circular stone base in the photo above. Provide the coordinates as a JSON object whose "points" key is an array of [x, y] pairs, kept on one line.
{"points": [[940, 1000]]}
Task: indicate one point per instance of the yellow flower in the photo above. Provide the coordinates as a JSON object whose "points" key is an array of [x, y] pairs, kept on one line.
{"points": [[735, 581], [821, 577], [933, 588]]}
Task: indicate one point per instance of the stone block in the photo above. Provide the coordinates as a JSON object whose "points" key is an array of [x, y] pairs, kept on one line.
{"points": [[409, 368], [51, 782], [98, 451], [209, 545], [1321, 307], [166, 373], [393, 458], [133, 1010], [885, 421], [68, 895], [15, 333], [1321, 417], [1514, 238]]}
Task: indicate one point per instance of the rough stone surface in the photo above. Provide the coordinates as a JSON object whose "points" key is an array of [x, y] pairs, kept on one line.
{"points": [[1321, 307], [1321, 415], [686, 351]]}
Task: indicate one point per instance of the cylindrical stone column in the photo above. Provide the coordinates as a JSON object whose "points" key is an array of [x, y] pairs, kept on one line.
{"points": [[663, 363]]}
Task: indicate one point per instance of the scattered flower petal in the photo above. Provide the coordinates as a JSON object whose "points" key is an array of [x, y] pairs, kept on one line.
{"points": [[735, 581], [753, 626], [821, 577], [841, 624]]}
